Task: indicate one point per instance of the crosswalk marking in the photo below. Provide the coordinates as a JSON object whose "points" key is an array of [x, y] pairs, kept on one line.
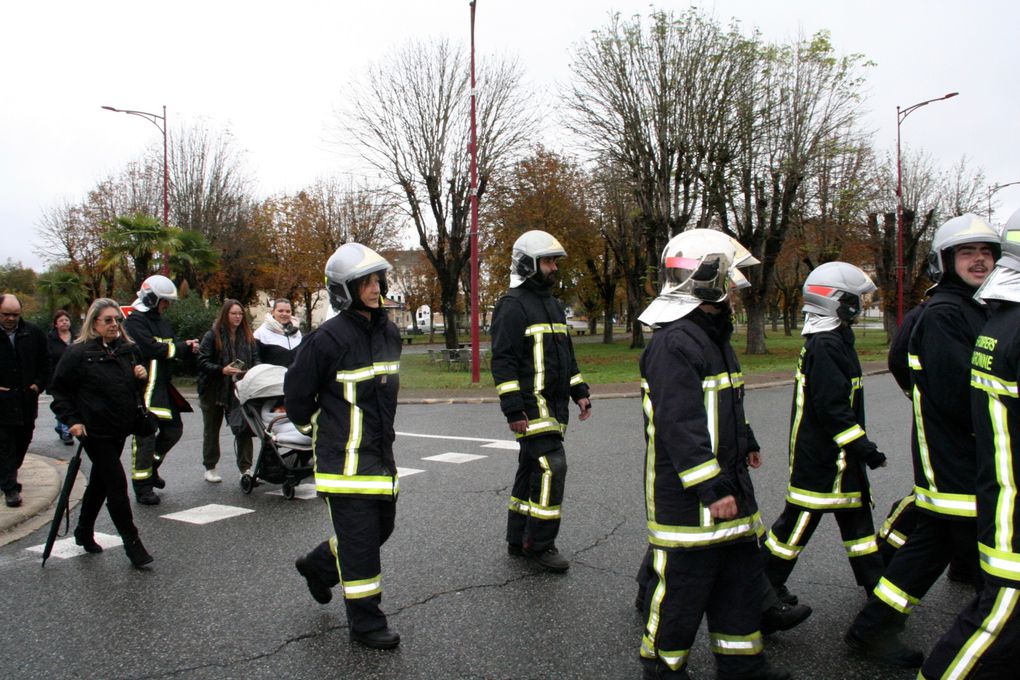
{"points": [[205, 514], [407, 472], [65, 548], [502, 445], [453, 457]]}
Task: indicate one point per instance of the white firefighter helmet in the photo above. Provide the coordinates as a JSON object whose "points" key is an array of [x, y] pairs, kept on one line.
{"points": [[352, 261], [1004, 281], [1011, 235], [697, 266], [155, 288], [834, 289], [528, 248], [967, 228]]}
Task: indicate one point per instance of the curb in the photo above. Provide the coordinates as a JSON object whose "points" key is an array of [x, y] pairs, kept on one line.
{"points": [[41, 478]]}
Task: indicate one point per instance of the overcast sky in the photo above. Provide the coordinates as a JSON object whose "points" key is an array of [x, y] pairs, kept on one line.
{"points": [[274, 73]]}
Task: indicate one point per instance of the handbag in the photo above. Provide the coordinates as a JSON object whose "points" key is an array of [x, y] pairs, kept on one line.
{"points": [[145, 423]]}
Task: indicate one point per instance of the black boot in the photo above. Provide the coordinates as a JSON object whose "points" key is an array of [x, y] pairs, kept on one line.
{"points": [[384, 638], [86, 539], [783, 617], [136, 552], [883, 646], [146, 495]]}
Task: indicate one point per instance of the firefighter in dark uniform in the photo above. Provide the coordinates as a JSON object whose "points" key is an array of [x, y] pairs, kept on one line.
{"points": [[703, 521], [828, 444], [342, 390], [963, 253], [536, 376], [155, 339], [983, 642]]}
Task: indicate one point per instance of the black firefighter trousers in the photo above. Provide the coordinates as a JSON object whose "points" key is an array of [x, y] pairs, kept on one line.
{"points": [[533, 520], [147, 453], [351, 557], [722, 583]]}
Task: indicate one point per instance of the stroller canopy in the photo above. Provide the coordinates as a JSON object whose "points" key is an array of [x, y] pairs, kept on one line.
{"points": [[264, 380]]}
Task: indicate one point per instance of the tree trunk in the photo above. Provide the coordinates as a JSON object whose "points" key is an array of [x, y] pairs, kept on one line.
{"points": [[755, 327], [607, 325]]}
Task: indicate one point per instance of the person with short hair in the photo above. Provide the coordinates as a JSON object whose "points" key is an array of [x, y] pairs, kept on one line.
{"points": [[279, 335], [58, 339], [24, 372], [96, 390]]}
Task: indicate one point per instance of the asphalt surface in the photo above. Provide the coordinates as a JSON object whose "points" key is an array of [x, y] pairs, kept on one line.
{"points": [[222, 600]]}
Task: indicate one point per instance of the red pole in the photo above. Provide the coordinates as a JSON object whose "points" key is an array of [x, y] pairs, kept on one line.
{"points": [[475, 357], [166, 199]]}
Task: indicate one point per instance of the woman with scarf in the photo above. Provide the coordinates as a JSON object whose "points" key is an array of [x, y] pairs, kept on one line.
{"points": [[225, 353], [279, 336]]}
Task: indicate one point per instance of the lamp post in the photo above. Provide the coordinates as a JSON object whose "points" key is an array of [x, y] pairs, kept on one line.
{"points": [[901, 115], [992, 190], [154, 118], [475, 354]]}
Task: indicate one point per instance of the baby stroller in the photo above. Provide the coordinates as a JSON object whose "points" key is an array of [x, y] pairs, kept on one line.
{"points": [[285, 454]]}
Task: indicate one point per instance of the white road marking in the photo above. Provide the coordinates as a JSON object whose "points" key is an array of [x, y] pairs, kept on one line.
{"points": [[65, 547], [452, 457], [441, 436], [205, 514], [502, 445], [407, 472], [302, 492]]}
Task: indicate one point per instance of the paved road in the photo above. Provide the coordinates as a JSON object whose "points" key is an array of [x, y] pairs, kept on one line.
{"points": [[223, 600]]}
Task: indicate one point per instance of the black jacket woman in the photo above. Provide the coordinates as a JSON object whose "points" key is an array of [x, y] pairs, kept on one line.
{"points": [[59, 339], [225, 353], [96, 391]]}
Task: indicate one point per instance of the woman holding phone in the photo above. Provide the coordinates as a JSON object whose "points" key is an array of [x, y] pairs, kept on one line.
{"points": [[225, 353]]}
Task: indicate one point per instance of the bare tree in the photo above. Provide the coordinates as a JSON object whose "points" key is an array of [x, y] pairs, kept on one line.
{"points": [[409, 120]]}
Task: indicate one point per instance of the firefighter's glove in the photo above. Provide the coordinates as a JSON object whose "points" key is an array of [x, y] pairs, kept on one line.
{"points": [[875, 459]]}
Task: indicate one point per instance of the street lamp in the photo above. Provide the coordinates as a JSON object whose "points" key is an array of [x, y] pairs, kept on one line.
{"points": [[154, 119], [901, 115], [994, 189]]}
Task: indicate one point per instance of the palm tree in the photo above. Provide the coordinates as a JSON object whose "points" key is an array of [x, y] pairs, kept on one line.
{"points": [[63, 290], [194, 257], [139, 238]]}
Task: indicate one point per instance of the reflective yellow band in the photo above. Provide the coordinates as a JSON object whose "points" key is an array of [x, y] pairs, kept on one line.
{"points": [[355, 375], [540, 328], [993, 384], [670, 536], [161, 413], [508, 386], [367, 587], [894, 597], [1004, 610], [861, 546], [1000, 563], [535, 510], [823, 501], [359, 484], [848, 435], [782, 550], [714, 383], [737, 644], [171, 348], [700, 473], [541, 426], [895, 539], [914, 362], [576, 379], [956, 504]]}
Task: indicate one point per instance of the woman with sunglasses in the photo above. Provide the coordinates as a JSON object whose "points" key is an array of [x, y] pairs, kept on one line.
{"points": [[96, 393]]}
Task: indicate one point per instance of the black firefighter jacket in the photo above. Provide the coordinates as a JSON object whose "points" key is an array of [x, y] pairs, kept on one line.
{"points": [[95, 386], [697, 438], [828, 444], [22, 365], [533, 362], [342, 389], [942, 445], [155, 339], [995, 402]]}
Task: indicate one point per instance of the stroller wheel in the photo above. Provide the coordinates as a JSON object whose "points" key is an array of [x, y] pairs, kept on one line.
{"points": [[247, 483], [288, 491]]}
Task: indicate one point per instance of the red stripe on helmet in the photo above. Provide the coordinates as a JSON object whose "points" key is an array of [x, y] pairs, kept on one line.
{"points": [[682, 263], [824, 291]]}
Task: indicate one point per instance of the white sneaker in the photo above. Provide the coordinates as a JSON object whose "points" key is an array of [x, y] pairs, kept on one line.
{"points": [[246, 472], [212, 477]]}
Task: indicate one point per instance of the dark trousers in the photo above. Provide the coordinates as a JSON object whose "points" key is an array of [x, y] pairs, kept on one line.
{"points": [[107, 482], [213, 415], [794, 527], [147, 453], [533, 520], [913, 570], [351, 556], [984, 641], [14, 441], [721, 583], [645, 574]]}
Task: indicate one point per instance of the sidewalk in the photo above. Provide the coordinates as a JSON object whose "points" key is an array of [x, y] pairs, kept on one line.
{"points": [[41, 477]]}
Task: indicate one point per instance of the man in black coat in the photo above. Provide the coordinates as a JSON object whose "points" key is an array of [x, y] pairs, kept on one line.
{"points": [[24, 367]]}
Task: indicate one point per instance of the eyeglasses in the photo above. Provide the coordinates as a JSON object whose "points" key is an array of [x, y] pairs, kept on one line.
{"points": [[110, 320]]}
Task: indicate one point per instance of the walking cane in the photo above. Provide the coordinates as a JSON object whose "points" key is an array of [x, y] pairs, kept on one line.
{"points": [[62, 503]]}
